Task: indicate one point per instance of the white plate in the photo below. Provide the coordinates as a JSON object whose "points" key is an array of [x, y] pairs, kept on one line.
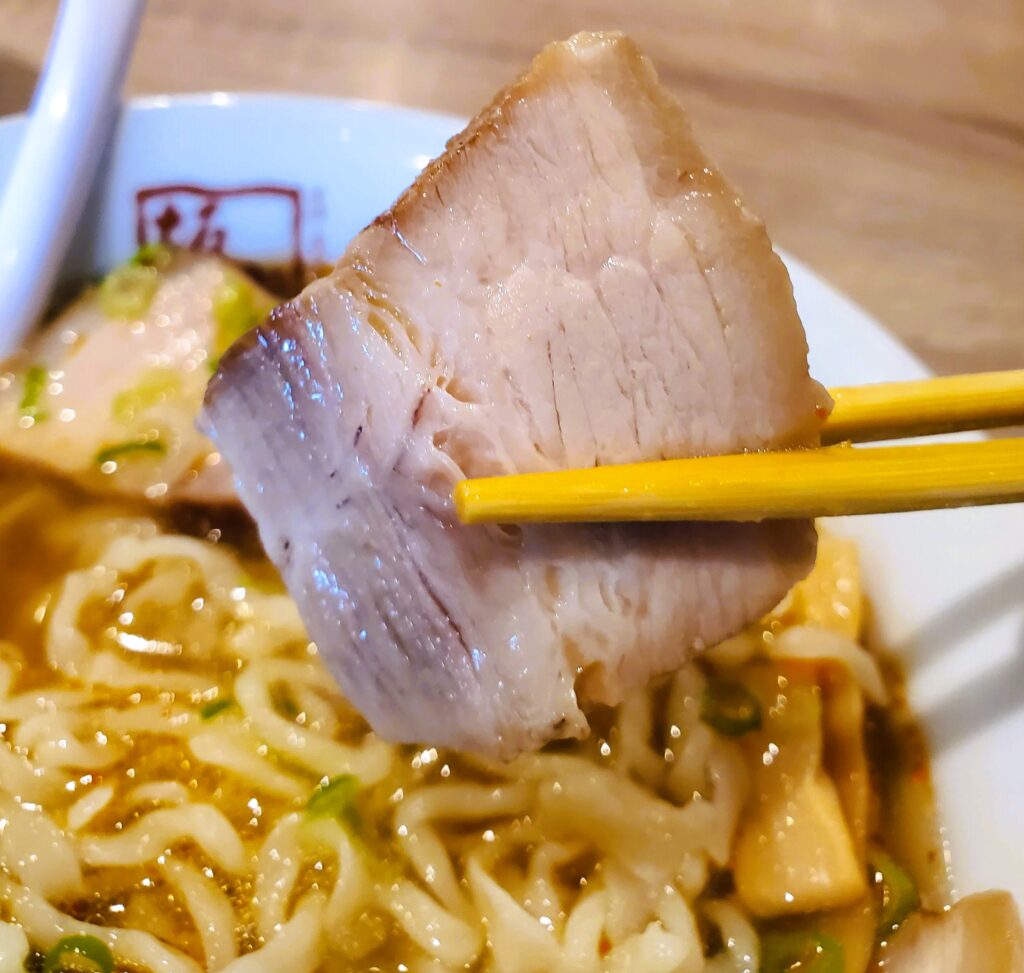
{"points": [[305, 174]]}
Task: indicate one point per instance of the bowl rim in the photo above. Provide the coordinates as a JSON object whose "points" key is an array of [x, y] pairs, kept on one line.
{"points": [[224, 99]]}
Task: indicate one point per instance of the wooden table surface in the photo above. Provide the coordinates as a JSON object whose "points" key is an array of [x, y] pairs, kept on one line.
{"points": [[881, 140]]}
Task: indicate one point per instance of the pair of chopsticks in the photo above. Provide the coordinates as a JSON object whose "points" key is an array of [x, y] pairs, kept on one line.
{"points": [[834, 480]]}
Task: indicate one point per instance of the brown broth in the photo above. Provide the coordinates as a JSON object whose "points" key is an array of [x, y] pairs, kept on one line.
{"points": [[908, 824]]}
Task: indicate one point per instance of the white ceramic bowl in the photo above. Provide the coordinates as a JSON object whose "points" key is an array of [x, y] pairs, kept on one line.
{"points": [[271, 177]]}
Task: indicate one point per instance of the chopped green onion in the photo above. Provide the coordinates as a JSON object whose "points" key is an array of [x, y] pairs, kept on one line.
{"points": [[153, 388], [79, 954], [35, 389], [896, 889], [110, 454], [730, 708], [127, 291], [801, 952], [283, 702], [215, 707], [336, 799], [157, 255], [237, 308]]}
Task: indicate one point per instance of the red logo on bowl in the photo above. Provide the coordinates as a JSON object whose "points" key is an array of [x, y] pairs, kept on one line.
{"points": [[201, 218]]}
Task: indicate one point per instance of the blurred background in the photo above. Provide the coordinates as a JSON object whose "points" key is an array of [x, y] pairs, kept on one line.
{"points": [[881, 140]]}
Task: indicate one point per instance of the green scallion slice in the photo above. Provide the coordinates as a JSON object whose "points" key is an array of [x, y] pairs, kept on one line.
{"points": [[215, 707], [79, 954], [728, 707], [896, 890], [157, 255], [33, 392], [118, 451], [237, 308], [801, 952], [127, 291], [336, 799]]}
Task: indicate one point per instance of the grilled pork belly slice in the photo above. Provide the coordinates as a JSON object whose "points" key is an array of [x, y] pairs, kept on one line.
{"points": [[572, 283]]}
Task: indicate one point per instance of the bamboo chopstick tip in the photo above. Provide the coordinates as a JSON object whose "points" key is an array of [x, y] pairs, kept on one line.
{"points": [[462, 498]]}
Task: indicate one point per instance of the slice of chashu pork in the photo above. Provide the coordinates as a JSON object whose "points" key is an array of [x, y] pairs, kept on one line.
{"points": [[107, 393], [572, 283]]}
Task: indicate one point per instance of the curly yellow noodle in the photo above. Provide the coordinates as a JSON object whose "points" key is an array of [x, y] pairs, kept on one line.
{"points": [[204, 898], [91, 803]]}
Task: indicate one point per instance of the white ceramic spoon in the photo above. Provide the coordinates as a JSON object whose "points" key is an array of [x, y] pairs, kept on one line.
{"points": [[73, 110]]}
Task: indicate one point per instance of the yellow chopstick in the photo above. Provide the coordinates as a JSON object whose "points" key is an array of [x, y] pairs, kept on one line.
{"points": [[800, 483], [897, 410], [827, 482]]}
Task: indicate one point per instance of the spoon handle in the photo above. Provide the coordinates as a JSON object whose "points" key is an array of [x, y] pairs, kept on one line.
{"points": [[69, 123]]}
